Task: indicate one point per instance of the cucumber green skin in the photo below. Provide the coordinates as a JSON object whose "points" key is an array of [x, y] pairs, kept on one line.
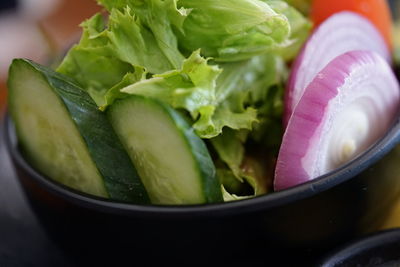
{"points": [[119, 175], [211, 187]]}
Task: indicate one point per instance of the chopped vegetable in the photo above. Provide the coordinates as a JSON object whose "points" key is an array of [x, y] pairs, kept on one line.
{"points": [[342, 32], [65, 136], [194, 91], [173, 162], [220, 64], [346, 108]]}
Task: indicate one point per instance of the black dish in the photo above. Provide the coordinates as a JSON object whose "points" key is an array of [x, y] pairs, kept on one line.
{"points": [[379, 249], [293, 226]]}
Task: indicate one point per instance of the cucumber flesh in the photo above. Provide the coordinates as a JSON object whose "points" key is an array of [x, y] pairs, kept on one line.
{"points": [[171, 160], [64, 136]]}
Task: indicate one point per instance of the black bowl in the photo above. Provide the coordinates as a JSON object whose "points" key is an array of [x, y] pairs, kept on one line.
{"points": [[290, 227], [378, 249]]}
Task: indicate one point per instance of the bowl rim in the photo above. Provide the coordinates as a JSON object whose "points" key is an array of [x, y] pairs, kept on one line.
{"points": [[364, 244], [255, 204]]}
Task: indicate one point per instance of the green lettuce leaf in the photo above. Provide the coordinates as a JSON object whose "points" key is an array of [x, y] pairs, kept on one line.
{"points": [[214, 97], [265, 94], [134, 43], [190, 88], [253, 179], [232, 30], [92, 63], [300, 27], [193, 88], [241, 89], [230, 113], [232, 188], [230, 148], [227, 30], [115, 92], [105, 55], [159, 16]]}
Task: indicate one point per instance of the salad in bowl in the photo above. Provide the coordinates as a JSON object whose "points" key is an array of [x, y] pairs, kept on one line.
{"points": [[192, 102], [258, 123]]}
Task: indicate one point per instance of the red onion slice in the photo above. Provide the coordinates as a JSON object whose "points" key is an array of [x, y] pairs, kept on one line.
{"points": [[342, 32], [347, 107]]}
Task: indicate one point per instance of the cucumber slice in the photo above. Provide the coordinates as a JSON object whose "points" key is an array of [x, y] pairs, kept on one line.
{"points": [[172, 161], [64, 135]]}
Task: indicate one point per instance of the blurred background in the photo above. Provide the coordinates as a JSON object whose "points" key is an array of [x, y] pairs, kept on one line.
{"points": [[38, 30]]}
